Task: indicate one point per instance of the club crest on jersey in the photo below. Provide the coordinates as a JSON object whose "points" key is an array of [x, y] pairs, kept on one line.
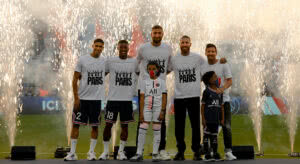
{"points": [[157, 84]]}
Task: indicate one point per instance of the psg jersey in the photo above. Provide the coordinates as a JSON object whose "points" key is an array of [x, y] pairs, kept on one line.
{"points": [[212, 105]]}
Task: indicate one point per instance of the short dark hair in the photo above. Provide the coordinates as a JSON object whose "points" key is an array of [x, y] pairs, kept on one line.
{"points": [[157, 66], [185, 36], [123, 42], [157, 27], [98, 40], [209, 45], [207, 76]]}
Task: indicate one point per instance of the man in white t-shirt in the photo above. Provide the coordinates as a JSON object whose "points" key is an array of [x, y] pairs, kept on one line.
{"points": [[186, 66], [225, 81], [160, 53], [90, 72], [122, 81]]}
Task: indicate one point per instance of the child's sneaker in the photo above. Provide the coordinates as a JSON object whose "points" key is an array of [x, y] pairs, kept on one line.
{"points": [[104, 156], [121, 156], [91, 156], [164, 156], [136, 158], [155, 158]]}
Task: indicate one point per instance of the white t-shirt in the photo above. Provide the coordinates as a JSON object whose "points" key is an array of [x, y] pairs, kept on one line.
{"points": [[122, 78], [92, 80], [223, 72], [187, 74], [161, 54], [153, 90]]}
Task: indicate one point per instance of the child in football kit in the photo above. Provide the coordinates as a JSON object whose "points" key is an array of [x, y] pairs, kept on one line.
{"points": [[211, 110], [152, 109]]}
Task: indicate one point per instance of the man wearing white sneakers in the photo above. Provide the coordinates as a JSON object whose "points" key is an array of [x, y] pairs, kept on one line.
{"points": [[186, 66], [159, 52], [122, 76], [225, 81], [90, 72]]}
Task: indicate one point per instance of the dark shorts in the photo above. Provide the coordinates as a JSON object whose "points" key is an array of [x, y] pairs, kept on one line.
{"points": [[123, 107], [88, 113], [211, 129]]}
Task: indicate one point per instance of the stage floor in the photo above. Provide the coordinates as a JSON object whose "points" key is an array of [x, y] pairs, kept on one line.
{"points": [[60, 161]]}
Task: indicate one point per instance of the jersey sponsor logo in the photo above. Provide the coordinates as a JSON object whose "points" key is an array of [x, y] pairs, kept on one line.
{"points": [[123, 79], [215, 103], [161, 63], [95, 77], [153, 91], [187, 75]]}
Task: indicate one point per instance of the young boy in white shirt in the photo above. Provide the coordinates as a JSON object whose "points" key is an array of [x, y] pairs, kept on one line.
{"points": [[153, 100]]}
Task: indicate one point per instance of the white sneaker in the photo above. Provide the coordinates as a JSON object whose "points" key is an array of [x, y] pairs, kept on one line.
{"points": [[121, 156], [91, 156], [164, 156], [229, 156], [136, 158], [155, 158], [71, 157], [104, 156]]}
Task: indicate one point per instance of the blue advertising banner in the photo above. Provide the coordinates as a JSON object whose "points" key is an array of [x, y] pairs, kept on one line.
{"points": [[40, 105], [51, 105]]}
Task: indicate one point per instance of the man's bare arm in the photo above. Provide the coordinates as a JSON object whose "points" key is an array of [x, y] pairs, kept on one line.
{"points": [[76, 78]]}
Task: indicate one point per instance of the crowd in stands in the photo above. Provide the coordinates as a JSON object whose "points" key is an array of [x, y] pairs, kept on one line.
{"points": [[41, 91]]}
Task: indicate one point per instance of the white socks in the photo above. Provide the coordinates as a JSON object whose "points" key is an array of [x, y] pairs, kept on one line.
{"points": [[156, 141], [122, 145], [106, 146], [141, 141], [73, 145], [93, 145]]}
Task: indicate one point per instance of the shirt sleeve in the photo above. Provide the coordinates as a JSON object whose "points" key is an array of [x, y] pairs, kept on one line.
{"points": [[202, 60], [137, 68], [226, 71], [78, 67], [143, 86], [204, 97], [170, 65], [201, 64], [163, 86], [201, 71], [139, 54]]}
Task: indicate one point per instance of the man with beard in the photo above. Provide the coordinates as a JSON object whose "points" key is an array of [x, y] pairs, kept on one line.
{"points": [[122, 79], [225, 81], [161, 53], [90, 72], [186, 66]]}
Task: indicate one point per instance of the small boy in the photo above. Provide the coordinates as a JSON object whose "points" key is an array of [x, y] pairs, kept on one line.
{"points": [[211, 110], [153, 99]]}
